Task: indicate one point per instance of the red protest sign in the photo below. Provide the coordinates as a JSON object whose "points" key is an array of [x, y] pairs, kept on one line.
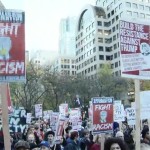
{"points": [[102, 114], [12, 46]]}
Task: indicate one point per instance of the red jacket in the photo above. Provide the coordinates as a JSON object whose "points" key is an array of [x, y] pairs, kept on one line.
{"points": [[96, 147]]}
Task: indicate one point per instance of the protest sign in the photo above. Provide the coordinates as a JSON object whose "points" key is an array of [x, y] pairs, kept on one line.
{"points": [[28, 118], [145, 104], [46, 114], [54, 120], [102, 118], [63, 109], [135, 49], [17, 121], [12, 45], [119, 113], [130, 116], [38, 110], [60, 128]]}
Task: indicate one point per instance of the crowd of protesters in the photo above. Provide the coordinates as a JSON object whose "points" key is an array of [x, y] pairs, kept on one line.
{"points": [[39, 136]]}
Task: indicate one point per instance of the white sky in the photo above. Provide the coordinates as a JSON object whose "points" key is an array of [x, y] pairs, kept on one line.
{"points": [[43, 18]]}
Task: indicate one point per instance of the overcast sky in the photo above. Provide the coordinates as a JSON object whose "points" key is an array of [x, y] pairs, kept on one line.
{"points": [[43, 18]]}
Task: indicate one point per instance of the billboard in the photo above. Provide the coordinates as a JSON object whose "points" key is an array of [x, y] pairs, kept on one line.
{"points": [[12, 46], [135, 49], [102, 116]]}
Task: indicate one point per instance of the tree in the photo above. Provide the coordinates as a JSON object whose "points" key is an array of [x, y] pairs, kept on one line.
{"points": [[31, 92]]}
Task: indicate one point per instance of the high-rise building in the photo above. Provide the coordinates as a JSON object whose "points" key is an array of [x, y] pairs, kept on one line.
{"points": [[97, 35], [65, 62], [67, 36]]}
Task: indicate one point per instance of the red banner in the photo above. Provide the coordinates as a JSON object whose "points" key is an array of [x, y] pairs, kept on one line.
{"points": [[102, 114], [12, 46]]}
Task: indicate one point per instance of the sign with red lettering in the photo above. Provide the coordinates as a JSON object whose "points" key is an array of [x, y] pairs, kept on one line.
{"points": [[12, 46], [135, 49], [102, 114]]}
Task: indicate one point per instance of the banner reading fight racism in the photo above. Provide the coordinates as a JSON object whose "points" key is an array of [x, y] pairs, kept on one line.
{"points": [[135, 49], [102, 114], [12, 46]]}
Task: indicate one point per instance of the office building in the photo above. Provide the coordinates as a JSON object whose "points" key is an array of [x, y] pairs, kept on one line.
{"points": [[97, 33]]}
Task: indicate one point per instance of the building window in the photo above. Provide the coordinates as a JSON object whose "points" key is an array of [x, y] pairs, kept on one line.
{"points": [[108, 15], [112, 12], [95, 67], [92, 68], [113, 20], [135, 14], [113, 29], [115, 55], [94, 49], [107, 24], [128, 4], [108, 49], [142, 15], [116, 73], [99, 23], [114, 37], [100, 31], [120, 6], [108, 40], [108, 58], [94, 58], [101, 48], [101, 57], [116, 9], [107, 32], [147, 8], [129, 13], [141, 7], [116, 64], [134, 6], [117, 17], [115, 46], [148, 16], [100, 40]]}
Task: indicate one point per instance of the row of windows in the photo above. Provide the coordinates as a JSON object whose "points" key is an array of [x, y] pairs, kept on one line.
{"points": [[67, 72], [68, 66], [136, 14], [90, 69], [87, 29], [114, 2], [136, 6], [88, 45], [87, 62], [67, 61]]}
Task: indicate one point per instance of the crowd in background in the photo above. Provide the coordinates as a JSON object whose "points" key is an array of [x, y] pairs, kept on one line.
{"points": [[39, 136]]}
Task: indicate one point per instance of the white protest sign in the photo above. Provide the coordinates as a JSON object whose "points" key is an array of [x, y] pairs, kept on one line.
{"points": [[28, 118], [119, 113], [130, 116], [63, 109], [38, 110], [145, 104]]}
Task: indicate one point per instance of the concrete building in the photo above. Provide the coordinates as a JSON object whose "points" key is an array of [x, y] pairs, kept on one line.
{"points": [[64, 65], [1, 5], [97, 33]]}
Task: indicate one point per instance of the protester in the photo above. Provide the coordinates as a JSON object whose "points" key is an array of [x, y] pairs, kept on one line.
{"points": [[44, 145], [85, 143], [49, 136], [120, 135], [115, 144], [22, 145], [63, 143], [145, 136], [74, 144], [97, 143]]}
